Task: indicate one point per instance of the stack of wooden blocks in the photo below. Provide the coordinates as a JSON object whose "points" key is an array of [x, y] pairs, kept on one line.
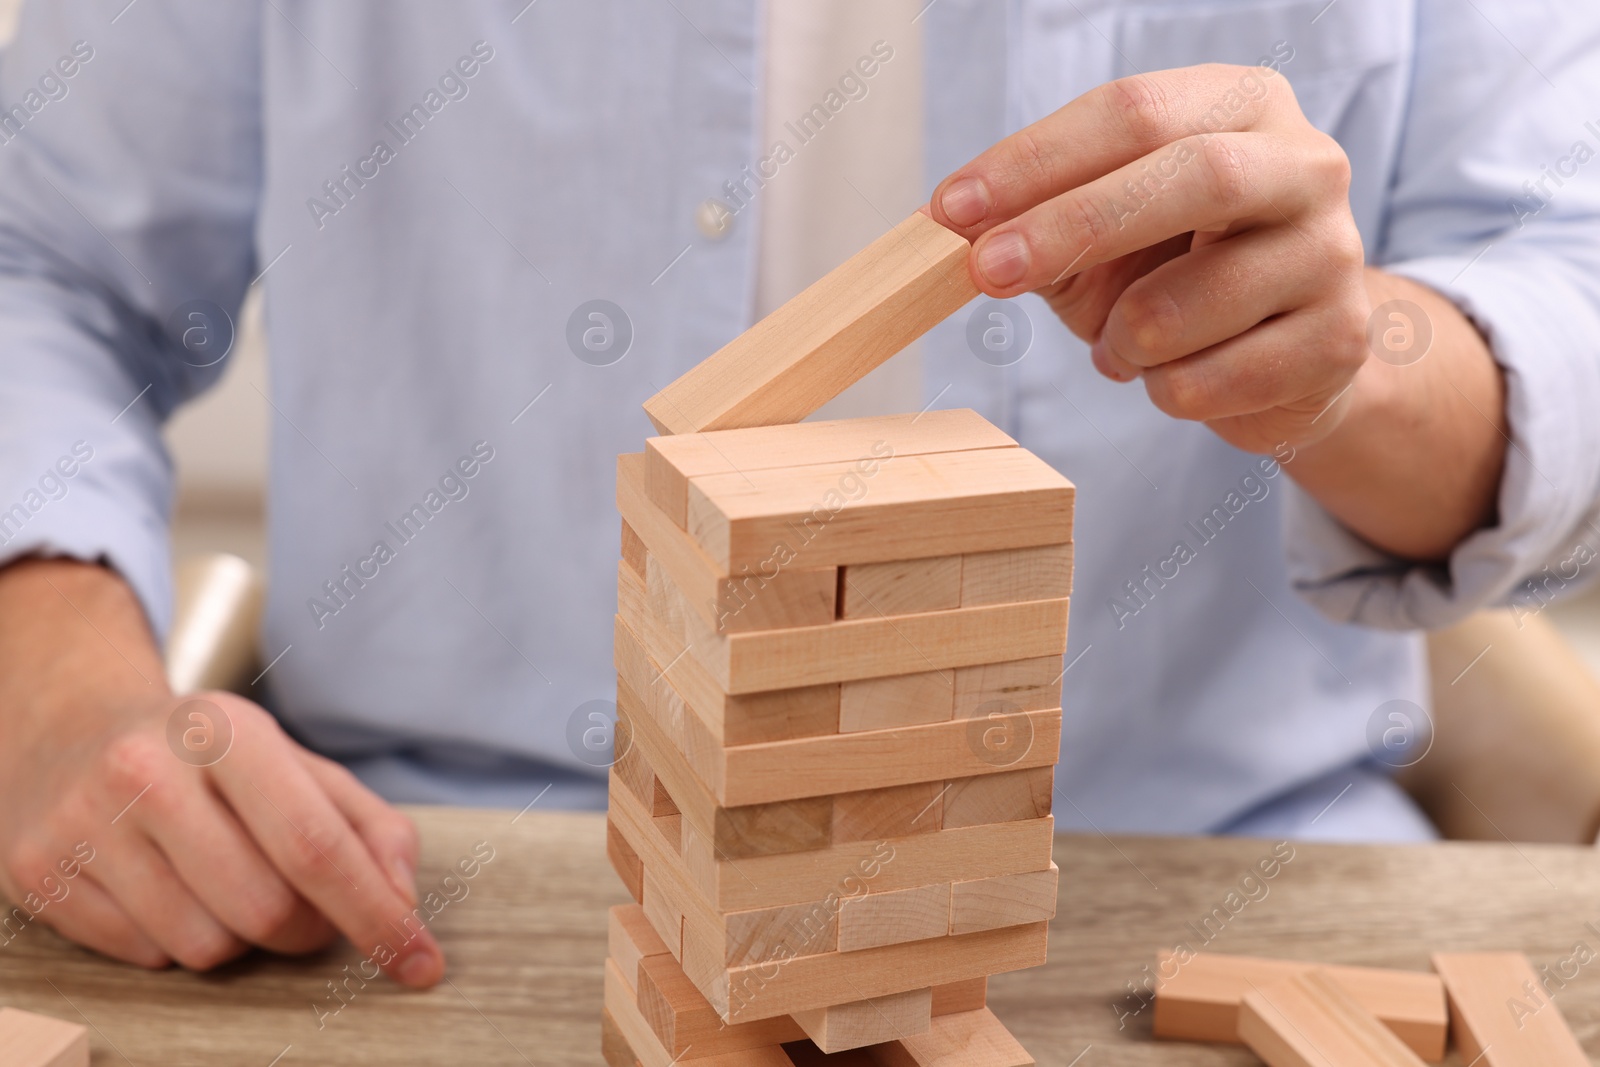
{"points": [[839, 658]]}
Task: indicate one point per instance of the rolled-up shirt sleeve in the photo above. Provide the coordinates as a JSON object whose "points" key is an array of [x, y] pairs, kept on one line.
{"points": [[129, 174], [1496, 205]]}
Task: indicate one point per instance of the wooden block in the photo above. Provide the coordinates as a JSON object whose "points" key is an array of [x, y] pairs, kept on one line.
{"points": [[841, 763], [632, 549], [807, 982], [880, 509], [735, 832], [750, 598], [772, 934], [633, 1029], [880, 814], [1010, 900], [899, 700], [873, 648], [1198, 997], [1003, 797], [960, 996], [661, 802], [1027, 685], [1040, 573], [1310, 1020], [967, 1039], [727, 720], [630, 938], [950, 855], [29, 1040], [684, 1023], [614, 1047], [625, 862], [670, 827], [664, 912], [894, 917], [900, 587], [1502, 1015], [828, 337], [672, 461], [868, 1022]]}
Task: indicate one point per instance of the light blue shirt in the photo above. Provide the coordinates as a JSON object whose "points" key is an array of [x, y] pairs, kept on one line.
{"points": [[431, 191]]}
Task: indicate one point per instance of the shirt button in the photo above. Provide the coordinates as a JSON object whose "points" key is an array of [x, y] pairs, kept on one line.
{"points": [[713, 218]]}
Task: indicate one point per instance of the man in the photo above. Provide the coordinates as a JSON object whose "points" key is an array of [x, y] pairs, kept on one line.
{"points": [[435, 197]]}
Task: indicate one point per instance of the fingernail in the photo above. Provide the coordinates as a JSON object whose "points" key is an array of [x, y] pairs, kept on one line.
{"points": [[421, 968], [1003, 259], [966, 202], [404, 878]]}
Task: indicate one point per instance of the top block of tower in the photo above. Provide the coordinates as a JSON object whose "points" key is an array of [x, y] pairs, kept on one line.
{"points": [[809, 350]]}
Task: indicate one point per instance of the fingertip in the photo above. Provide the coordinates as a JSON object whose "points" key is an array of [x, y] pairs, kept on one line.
{"points": [[421, 966], [963, 203]]}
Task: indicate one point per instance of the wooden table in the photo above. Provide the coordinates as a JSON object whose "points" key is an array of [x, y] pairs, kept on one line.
{"points": [[526, 943]]}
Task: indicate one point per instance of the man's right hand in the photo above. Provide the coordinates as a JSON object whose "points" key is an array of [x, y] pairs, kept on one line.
{"points": [[270, 845]]}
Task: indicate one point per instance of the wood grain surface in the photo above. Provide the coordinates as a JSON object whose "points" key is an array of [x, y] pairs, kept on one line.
{"points": [[526, 947]]}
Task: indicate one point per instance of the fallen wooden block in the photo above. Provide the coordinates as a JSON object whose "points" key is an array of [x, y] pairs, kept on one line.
{"points": [[1501, 1014], [29, 1040], [829, 336], [1310, 1020], [673, 461], [1198, 998]]}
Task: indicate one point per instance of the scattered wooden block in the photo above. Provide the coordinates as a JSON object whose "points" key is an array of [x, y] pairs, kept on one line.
{"points": [[899, 700], [1004, 797], [966, 1039], [829, 336], [1310, 1020], [730, 600], [1197, 998], [894, 917], [625, 862], [900, 587], [1041, 573], [1010, 900], [868, 1022], [879, 511], [630, 938], [881, 814], [672, 461], [1027, 685], [1502, 1015], [29, 1040], [632, 549]]}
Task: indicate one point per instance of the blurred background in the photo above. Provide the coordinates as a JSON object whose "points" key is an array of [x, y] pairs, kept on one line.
{"points": [[219, 445]]}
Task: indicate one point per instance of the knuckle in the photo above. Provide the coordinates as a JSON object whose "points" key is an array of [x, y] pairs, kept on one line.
{"points": [[1330, 163], [1227, 171], [1142, 108], [1147, 320], [133, 761], [310, 849], [1081, 219], [1180, 391], [266, 914], [1029, 157]]}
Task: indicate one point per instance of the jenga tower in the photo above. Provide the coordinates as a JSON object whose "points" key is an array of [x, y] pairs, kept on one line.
{"points": [[839, 657]]}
